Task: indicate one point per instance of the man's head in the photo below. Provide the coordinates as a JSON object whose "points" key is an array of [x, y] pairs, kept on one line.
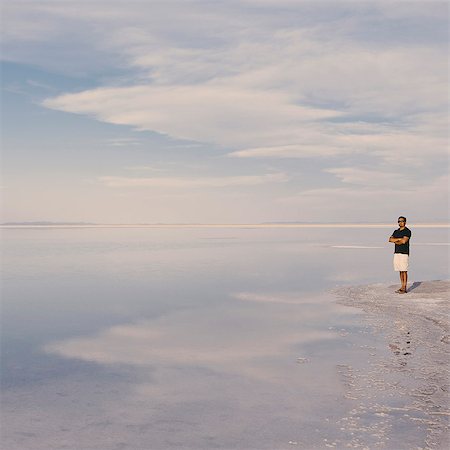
{"points": [[401, 221]]}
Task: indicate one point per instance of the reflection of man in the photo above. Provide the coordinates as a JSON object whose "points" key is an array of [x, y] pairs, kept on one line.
{"points": [[400, 238]]}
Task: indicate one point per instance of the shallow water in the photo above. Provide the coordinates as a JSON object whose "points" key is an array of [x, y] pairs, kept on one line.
{"points": [[188, 338]]}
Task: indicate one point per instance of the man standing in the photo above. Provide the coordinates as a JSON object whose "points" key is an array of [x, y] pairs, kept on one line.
{"points": [[400, 238]]}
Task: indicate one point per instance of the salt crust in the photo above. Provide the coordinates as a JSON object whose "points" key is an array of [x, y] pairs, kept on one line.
{"points": [[400, 400]]}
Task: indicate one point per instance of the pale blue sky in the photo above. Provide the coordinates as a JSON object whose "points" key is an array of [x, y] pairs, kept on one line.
{"points": [[224, 112]]}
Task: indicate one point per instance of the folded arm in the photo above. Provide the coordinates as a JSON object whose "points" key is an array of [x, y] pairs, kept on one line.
{"points": [[399, 241]]}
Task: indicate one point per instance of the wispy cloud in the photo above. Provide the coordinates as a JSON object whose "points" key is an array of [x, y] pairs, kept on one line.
{"points": [[145, 168], [214, 112], [123, 142], [266, 95], [350, 97], [186, 182], [298, 94], [428, 201], [291, 151], [368, 178]]}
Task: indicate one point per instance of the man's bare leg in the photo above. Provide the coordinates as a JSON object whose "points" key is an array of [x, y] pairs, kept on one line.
{"points": [[404, 280]]}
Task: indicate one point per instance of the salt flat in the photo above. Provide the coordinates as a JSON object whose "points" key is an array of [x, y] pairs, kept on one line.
{"points": [[408, 384]]}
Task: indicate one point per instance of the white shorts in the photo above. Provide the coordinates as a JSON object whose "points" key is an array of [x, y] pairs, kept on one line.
{"points": [[401, 262]]}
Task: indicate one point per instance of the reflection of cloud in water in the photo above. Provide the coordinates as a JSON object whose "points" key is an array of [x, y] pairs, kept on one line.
{"points": [[226, 339], [354, 246], [345, 276], [432, 243], [292, 298]]}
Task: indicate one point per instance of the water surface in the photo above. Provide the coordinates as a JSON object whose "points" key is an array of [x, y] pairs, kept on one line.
{"points": [[187, 338]]}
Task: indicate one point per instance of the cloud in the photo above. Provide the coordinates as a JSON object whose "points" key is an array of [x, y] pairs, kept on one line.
{"points": [[290, 151], [145, 168], [364, 85], [186, 182], [425, 202], [297, 94], [298, 89], [367, 178], [123, 142], [276, 94], [401, 146], [213, 112]]}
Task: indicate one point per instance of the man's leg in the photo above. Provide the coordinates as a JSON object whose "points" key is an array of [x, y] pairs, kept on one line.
{"points": [[404, 280], [399, 290]]}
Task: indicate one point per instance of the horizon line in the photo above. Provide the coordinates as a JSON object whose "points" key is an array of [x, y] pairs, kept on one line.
{"points": [[43, 224]]}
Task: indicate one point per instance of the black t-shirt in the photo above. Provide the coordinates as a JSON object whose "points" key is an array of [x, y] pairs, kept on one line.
{"points": [[402, 248]]}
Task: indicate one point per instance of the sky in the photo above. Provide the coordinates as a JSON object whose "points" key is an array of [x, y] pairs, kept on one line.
{"points": [[203, 111]]}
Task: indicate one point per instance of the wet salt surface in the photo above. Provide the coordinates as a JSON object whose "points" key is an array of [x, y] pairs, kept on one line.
{"points": [[261, 391], [401, 400], [201, 339]]}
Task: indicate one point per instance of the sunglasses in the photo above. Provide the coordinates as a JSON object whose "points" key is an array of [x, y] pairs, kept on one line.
{"points": [[400, 221]]}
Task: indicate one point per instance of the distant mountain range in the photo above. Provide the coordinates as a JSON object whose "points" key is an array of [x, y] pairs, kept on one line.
{"points": [[281, 223], [48, 223]]}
